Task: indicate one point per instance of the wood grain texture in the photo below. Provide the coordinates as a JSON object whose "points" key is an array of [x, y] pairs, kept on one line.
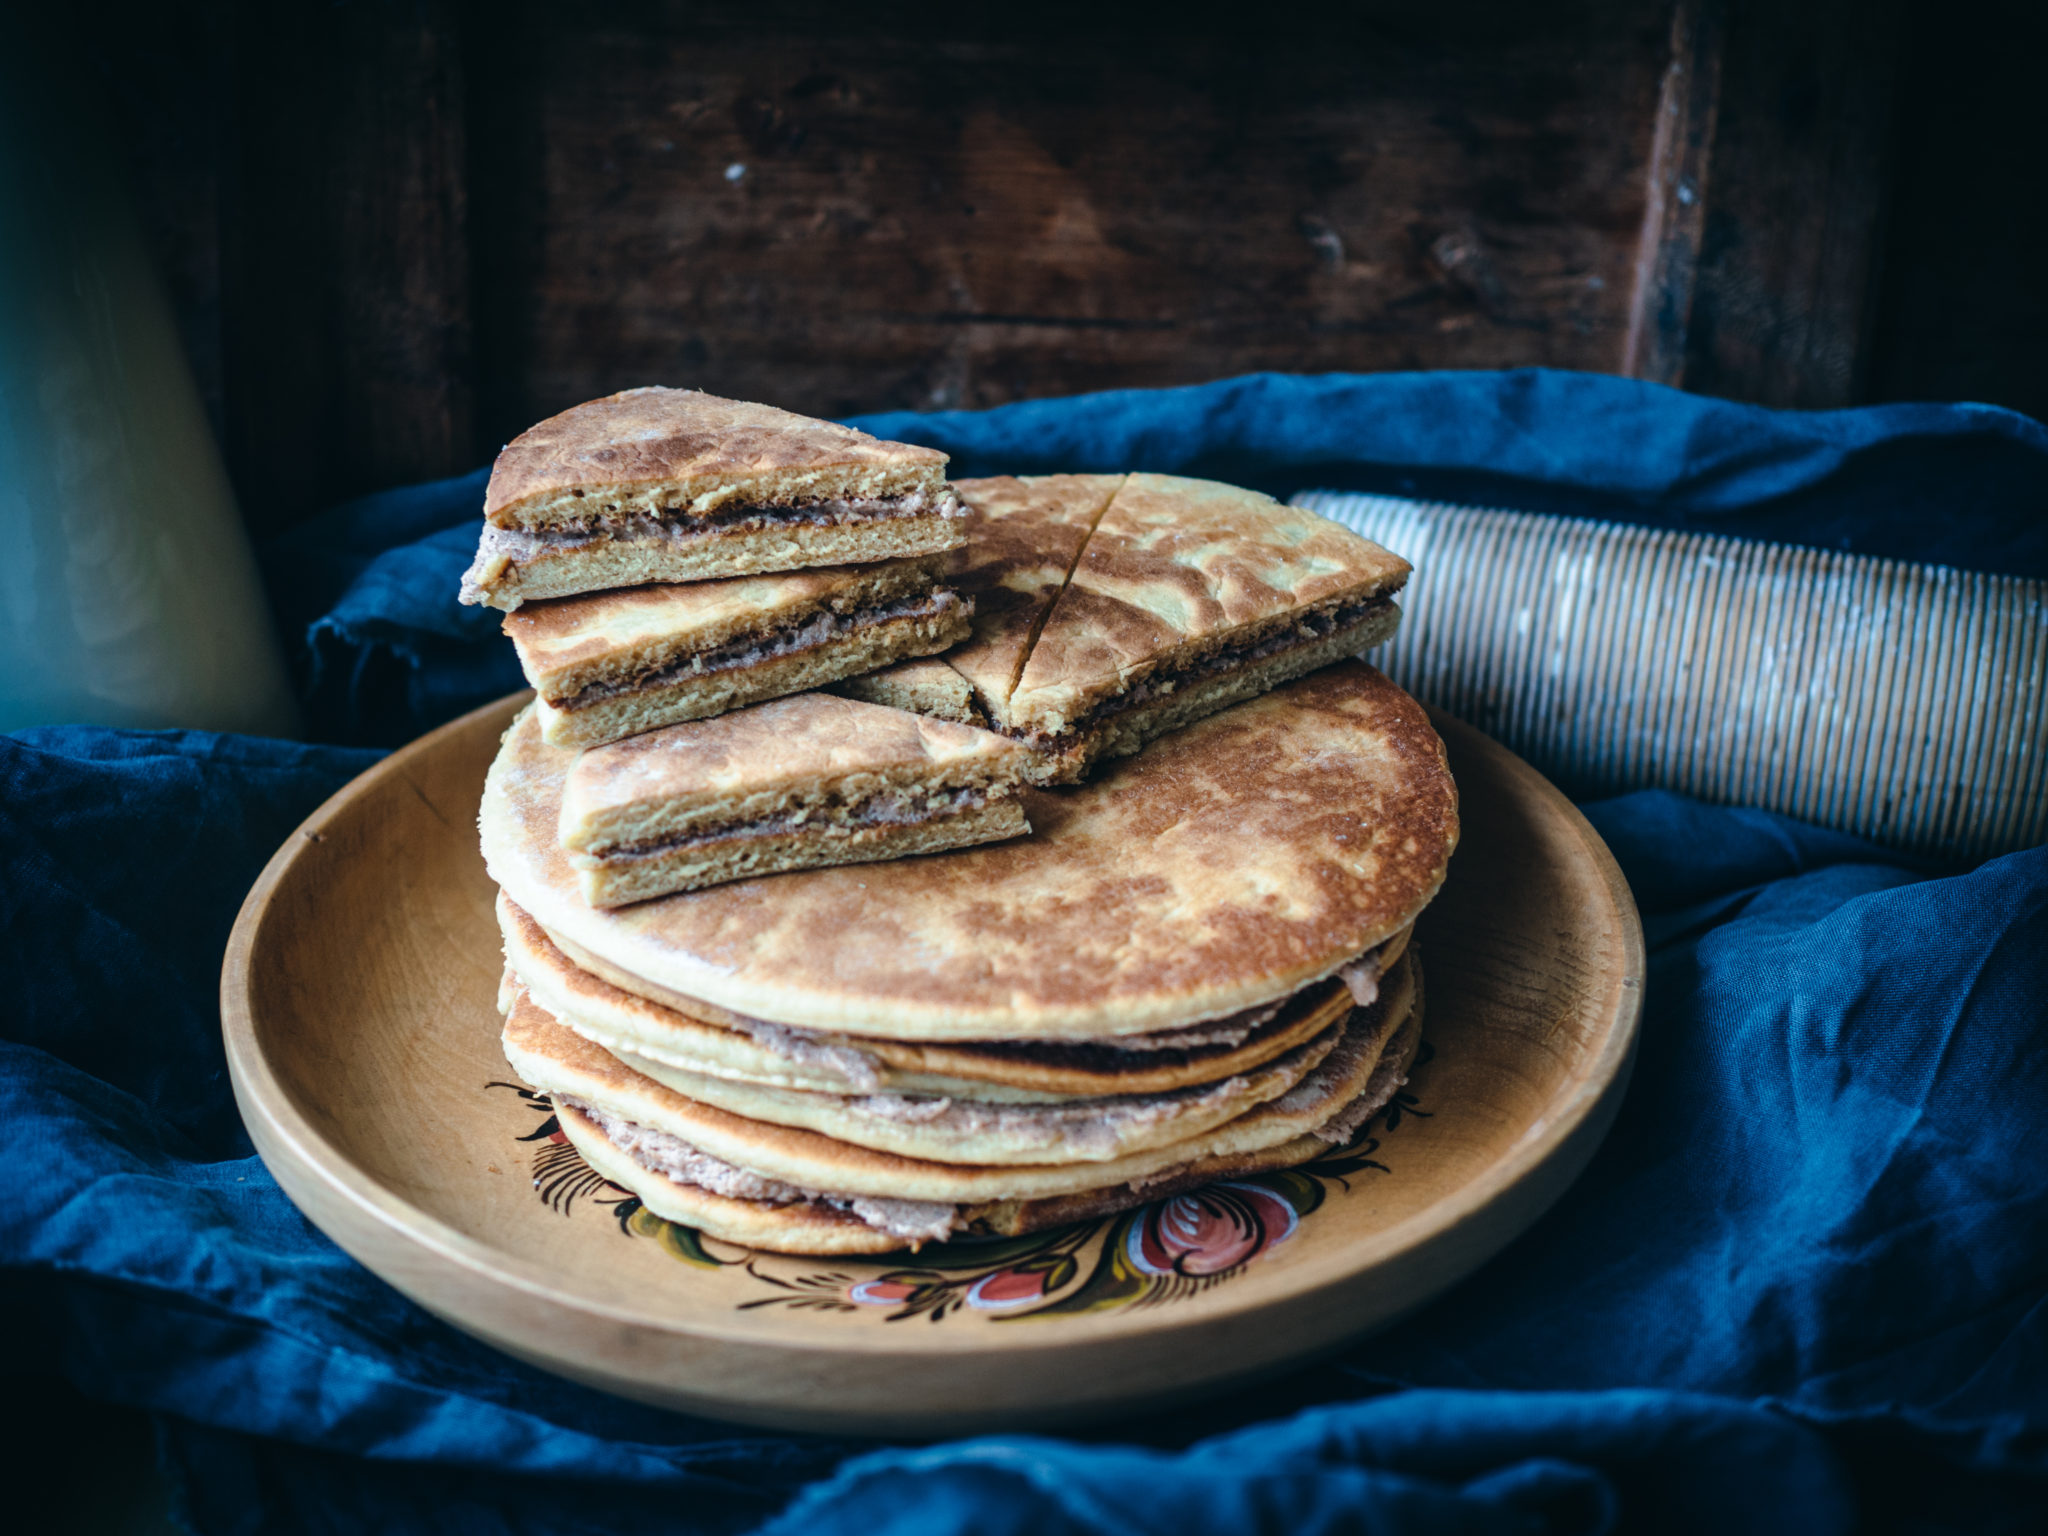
{"points": [[1675, 194], [940, 210], [358, 993], [397, 234], [1788, 261], [346, 313]]}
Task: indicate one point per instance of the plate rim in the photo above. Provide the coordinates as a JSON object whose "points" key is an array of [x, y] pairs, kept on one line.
{"points": [[280, 1129]]}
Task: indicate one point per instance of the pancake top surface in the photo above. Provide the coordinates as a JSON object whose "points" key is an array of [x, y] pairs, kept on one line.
{"points": [[708, 451], [1229, 865], [801, 741], [1023, 537], [1174, 563]]}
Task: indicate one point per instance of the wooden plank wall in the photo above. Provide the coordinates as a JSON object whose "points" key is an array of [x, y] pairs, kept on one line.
{"points": [[398, 231]]}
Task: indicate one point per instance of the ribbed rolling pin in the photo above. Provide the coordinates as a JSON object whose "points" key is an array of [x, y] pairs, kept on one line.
{"points": [[1900, 702]]}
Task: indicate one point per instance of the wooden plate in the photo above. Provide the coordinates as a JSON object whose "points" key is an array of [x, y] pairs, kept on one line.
{"points": [[362, 1034]]}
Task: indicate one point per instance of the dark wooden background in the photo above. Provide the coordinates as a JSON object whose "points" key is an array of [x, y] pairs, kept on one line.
{"points": [[398, 231]]}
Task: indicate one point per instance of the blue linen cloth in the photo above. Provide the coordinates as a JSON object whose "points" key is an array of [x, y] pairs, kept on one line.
{"points": [[1804, 1285]]}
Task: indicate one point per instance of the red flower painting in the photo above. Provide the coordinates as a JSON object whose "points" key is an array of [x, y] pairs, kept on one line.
{"points": [[1210, 1231], [1172, 1248]]}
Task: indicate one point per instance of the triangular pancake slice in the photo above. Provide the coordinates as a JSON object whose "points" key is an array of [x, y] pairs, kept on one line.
{"points": [[677, 485], [608, 665], [799, 783], [1113, 609], [1192, 596]]}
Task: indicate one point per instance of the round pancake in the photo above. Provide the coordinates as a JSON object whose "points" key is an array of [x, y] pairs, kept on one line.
{"points": [[641, 1031], [562, 1063], [1227, 866], [813, 1227]]}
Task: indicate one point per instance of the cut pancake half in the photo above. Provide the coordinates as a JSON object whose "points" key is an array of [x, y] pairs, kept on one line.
{"points": [[928, 685], [651, 1035], [562, 1063], [1183, 598], [1189, 597], [611, 664], [796, 783], [727, 1202], [675, 485]]}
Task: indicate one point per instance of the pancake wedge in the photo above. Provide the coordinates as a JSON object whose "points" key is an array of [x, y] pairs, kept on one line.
{"points": [[926, 686], [1189, 597], [675, 485], [608, 665], [796, 783], [746, 1183]]}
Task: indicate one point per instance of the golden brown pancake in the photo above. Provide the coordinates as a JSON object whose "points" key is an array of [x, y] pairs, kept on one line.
{"points": [[676, 485], [1023, 539], [796, 783], [1231, 865], [649, 1034], [610, 664], [927, 685]]}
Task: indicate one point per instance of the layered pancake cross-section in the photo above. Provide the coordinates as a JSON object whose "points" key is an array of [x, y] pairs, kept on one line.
{"points": [[816, 1172], [611, 664], [797, 783], [682, 1038]]}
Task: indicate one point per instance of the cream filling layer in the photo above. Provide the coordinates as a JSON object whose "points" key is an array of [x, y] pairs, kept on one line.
{"points": [[933, 1221], [674, 1158]]}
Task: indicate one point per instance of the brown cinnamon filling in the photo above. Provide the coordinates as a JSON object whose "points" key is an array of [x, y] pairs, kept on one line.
{"points": [[673, 523], [889, 808], [806, 633]]}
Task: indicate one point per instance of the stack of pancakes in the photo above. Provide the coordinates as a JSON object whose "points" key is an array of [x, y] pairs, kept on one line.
{"points": [[1191, 960], [1198, 966]]}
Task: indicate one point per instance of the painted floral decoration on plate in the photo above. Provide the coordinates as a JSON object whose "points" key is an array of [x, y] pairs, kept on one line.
{"points": [[1156, 1253]]}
